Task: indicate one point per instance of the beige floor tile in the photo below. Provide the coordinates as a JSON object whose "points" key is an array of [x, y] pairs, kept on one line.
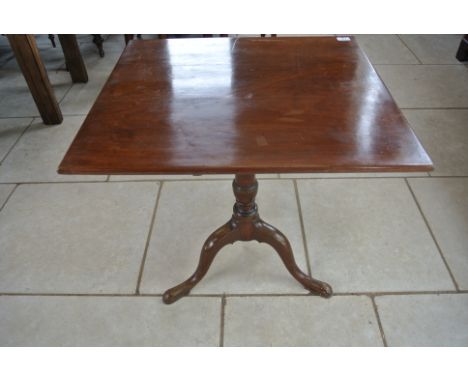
{"points": [[428, 86], [97, 64], [368, 235], [189, 211], [444, 134], [108, 321], [300, 321], [385, 49], [81, 97], [15, 96], [10, 130], [424, 320], [353, 175], [444, 202], [183, 177], [434, 49], [5, 191], [75, 238], [37, 155]]}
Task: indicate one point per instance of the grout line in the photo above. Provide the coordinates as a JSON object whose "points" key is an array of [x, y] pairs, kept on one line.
{"points": [[225, 179], [228, 295], [64, 95], [221, 332], [195, 178], [376, 177], [433, 236], [143, 260], [443, 176], [16, 141], [301, 221], [50, 294], [108, 177], [74, 114], [337, 294], [402, 293], [23, 117], [434, 108], [407, 47], [8, 197], [58, 182], [382, 333], [421, 64], [349, 177]]}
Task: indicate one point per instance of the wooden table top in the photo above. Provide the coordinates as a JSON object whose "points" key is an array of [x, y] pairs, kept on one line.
{"points": [[247, 105]]}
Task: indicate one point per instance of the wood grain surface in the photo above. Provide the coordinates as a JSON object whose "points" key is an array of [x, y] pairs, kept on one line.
{"points": [[243, 106]]}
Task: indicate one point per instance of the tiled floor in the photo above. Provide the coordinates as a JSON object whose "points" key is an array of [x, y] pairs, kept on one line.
{"points": [[84, 259]]}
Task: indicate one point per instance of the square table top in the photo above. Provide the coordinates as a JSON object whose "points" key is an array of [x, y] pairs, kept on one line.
{"points": [[244, 105]]}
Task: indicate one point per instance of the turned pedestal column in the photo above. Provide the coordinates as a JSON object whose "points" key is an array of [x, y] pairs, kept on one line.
{"points": [[245, 225]]}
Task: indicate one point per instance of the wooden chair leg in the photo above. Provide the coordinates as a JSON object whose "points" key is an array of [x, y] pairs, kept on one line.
{"points": [[128, 38], [98, 40], [27, 55], [73, 58], [462, 53], [52, 39]]}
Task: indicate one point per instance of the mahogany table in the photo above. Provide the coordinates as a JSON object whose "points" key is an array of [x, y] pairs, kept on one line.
{"points": [[244, 106]]}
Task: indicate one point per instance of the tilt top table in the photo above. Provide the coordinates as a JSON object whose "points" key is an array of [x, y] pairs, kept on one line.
{"points": [[244, 106]]}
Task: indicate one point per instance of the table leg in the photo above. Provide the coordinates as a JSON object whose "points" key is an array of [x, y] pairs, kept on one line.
{"points": [[128, 38], [73, 58], [28, 58], [246, 225]]}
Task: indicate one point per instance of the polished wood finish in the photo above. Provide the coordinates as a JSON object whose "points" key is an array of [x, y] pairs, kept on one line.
{"points": [[246, 225], [30, 62], [246, 105], [462, 53], [73, 58]]}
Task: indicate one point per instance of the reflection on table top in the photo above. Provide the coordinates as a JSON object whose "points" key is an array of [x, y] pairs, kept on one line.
{"points": [[246, 105]]}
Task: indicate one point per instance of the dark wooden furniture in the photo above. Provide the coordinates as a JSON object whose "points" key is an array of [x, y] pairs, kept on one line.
{"points": [[98, 41], [27, 55], [73, 58], [30, 62], [244, 106], [462, 53]]}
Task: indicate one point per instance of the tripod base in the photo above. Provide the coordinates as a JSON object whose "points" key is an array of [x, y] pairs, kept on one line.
{"points": [[246, 225]]}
